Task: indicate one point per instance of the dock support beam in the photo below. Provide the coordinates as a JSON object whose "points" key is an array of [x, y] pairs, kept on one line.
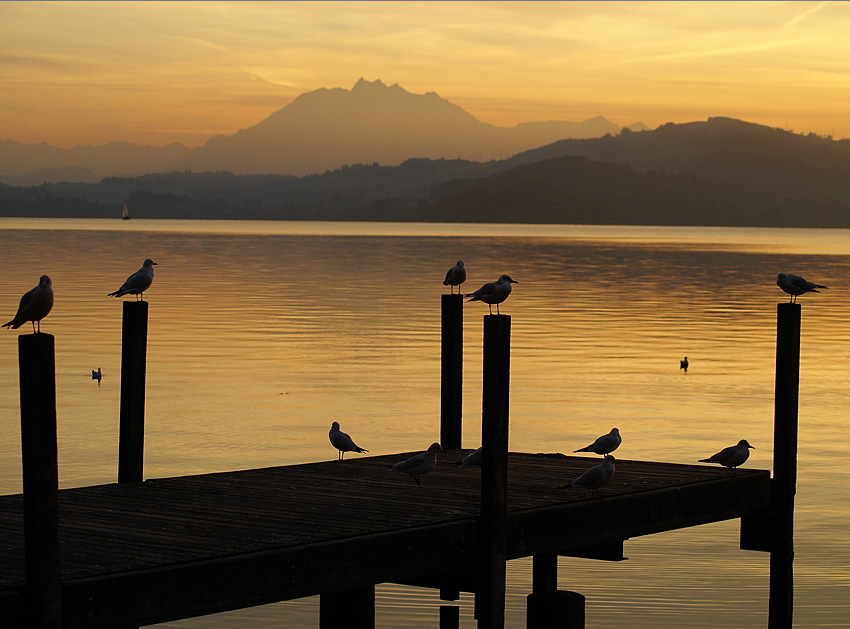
{"points": [[784, 484], [131, 441], [490, 597], [349, 609], [452, 372], [547, 607], [43, 596]]}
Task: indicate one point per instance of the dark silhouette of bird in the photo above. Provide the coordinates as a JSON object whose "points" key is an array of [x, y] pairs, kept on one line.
{"points": [[595, 477], [419, 464], [494, 292], [138, 282], [342, 442], [731, 457], [34, 305], [605, 444], [455, 276], [795, 285], [683, 364]]}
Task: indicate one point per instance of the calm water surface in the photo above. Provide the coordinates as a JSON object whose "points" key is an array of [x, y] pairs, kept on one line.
{"points": [[262, 334]]}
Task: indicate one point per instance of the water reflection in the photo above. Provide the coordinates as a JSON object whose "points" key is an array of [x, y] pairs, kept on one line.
{"points": [[258, 341]]}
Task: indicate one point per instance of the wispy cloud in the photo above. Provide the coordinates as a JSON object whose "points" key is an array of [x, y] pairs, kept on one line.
{"points": [[805, 14]]}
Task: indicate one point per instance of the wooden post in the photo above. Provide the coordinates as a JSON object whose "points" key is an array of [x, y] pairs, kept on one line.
{"points": [[452, 372], [131, 442], [348, 609], [547, 607], [43, 594], [449, 617], [784, 484], [490, 596]]}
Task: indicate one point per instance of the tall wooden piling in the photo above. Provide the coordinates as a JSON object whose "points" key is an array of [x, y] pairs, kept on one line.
{"points": [[490, 596], [131, 442], [43, 595], [452, 372], [784, 484]]}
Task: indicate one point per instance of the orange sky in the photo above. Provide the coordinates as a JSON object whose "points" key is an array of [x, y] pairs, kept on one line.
{"points": [[157, 72]]}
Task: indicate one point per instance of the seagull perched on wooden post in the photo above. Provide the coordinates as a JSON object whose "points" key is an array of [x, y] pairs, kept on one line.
{"points": [[138, 282], [455, 276], [494, 292], [795, 285], [419, 464], [731, 457], [343, 442], [34, 306], [605, 444]]}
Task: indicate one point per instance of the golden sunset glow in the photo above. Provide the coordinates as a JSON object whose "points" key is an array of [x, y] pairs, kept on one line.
{"points": [[158, 72]]}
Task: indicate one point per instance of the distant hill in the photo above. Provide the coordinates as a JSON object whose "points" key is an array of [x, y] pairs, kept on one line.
{"points": [[718, 172], [319, 131], [747, 155]]}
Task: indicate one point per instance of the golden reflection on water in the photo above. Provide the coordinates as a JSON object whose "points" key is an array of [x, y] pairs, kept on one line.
{"points": [[261, 334]]}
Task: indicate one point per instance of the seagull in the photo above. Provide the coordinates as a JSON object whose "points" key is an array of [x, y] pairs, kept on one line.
{"points": [[474, 458], [795, 285], [455, 276], [731, 457], [494, 292], [138, 282], [683, 364], [96, 375], [419, 464], [606, 444], [34, 305], [343, 442], [595, 477]]}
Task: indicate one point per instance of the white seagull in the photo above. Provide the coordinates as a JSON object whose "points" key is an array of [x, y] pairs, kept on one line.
{"points": [[494, 292], [606, 444], [475, 458], [343, 442], [795, 285], [731, 457], [419, 464], [138, 282], [595, 477], [34, 305], [455, 276]]}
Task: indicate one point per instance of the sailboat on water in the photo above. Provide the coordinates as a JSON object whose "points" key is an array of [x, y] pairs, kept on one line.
{"points": [[125, 214]]}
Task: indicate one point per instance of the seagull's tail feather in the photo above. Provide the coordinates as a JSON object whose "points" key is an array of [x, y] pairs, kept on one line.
{"points": [[585, 449], [12, 324]]}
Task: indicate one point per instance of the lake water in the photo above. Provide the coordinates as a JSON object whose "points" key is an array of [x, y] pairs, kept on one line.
{"points": [[263, 333]]}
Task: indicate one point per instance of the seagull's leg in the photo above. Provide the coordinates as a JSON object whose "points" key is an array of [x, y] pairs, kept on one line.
{"points": [[418, 484]]}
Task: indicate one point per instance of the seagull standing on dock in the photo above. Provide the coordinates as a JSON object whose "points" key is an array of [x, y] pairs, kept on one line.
{"points": [[595, 477], [474, 458], [494, 292], [606, 444], [455, 276], [34, 305], [795, 285], [731, 457], [683, 364], [138, 282], [343, 442], [419, 464]]}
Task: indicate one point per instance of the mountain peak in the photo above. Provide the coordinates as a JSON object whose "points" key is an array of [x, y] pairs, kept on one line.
{"points": [[363, 85]]}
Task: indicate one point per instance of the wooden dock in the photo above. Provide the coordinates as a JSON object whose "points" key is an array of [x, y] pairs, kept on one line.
{"points": [[164, 549]]}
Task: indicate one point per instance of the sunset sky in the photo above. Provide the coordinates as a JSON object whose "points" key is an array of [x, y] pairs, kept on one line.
{"points": [[158, 72]]}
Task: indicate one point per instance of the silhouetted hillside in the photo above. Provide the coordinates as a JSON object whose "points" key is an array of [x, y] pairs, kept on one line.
{"points": [[750, 156]]}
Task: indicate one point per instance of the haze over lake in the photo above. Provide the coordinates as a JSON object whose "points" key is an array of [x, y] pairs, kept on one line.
{"points": [[263, 333]]}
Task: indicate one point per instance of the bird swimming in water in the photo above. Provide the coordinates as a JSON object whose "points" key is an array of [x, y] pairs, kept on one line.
{"points": [[731, 457], [96, 375], [683, 364], [34, 305], [595, 477], [795, 285], [138, 282], [494, 292], [343, 442], [455, 276], [605, 444], [419, 464]]}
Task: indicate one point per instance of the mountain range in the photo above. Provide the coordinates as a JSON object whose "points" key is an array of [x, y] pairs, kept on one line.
{"points": [[321, 130]]}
